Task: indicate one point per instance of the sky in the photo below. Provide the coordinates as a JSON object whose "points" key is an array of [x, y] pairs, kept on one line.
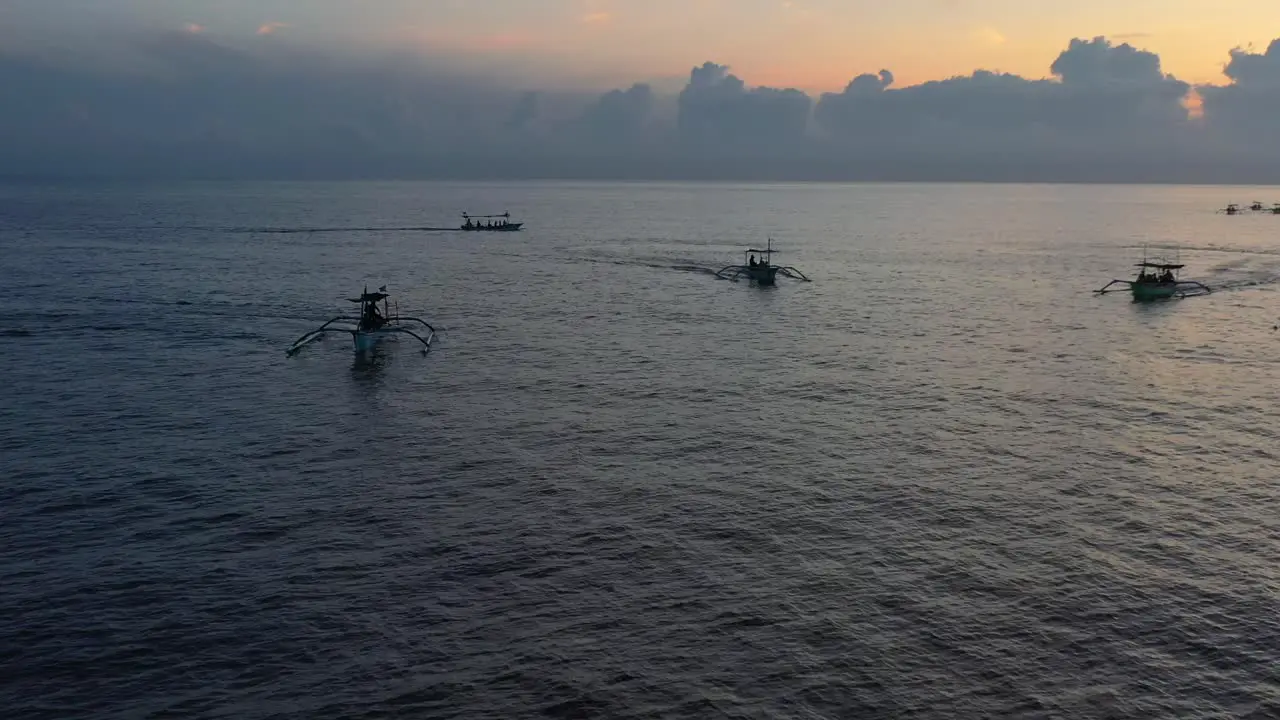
{"points": [[814, 45], [600, 80]]}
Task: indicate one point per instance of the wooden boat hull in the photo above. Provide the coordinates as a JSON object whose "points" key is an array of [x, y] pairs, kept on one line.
{"points": [[365, 341], [513, 227], [1153, 291], [763, 275]]}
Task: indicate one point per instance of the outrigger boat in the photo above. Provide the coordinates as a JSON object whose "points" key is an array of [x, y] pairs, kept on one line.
{"points": [[1256, 206], [490, 225], [1231, 209], [1158, 280], [762, 272], [1275, 209], [372, 326]]}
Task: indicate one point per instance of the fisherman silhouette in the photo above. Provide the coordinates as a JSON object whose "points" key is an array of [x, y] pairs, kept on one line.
{"points": [[372, 318]]}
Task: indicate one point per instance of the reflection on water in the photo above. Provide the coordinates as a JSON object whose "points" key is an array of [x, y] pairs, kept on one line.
{"points": [[367, 364], [371, 369]]}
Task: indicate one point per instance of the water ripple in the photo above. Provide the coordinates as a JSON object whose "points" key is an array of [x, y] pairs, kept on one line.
{"points": [[943, 480]]}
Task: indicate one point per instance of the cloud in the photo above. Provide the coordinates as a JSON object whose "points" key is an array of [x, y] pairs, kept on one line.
{"points": [[717, 108], [1241, 116], [219, 104], [867, 84], [1097, 62], [618, 113], [1108, 102], [1255, 70], [596, 18], [221, 109], [524, 113]]}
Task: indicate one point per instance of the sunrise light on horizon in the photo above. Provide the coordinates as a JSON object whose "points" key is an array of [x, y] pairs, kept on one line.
{"points": [[813, 45]]}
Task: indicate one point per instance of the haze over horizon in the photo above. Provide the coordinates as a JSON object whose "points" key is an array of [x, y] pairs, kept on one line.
{"points": [[705, 89]]}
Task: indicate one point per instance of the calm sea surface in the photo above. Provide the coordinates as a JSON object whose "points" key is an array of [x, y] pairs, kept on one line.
{"points": [[942, 480]]}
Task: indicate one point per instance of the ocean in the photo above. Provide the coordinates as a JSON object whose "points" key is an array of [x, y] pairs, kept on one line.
{"points": [[941, 480]]}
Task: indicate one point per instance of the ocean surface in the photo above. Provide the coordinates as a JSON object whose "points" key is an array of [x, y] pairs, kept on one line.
{"points": [[942, 480]]}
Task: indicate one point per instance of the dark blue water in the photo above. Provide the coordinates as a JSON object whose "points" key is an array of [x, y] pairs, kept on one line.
{"points": [[942, 480]]}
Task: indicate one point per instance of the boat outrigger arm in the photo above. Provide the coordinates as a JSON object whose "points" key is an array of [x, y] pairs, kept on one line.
{"points": [[761, 272], [1156, 280], [371, 326], [733, 272], [356, 333]]}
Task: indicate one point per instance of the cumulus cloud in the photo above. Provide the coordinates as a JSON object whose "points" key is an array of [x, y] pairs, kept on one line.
{"points": [[717, 108], [868, 84], [524, 112], [200, 103], [193, 102], [619, 114], [1097, 62], [1106, 104], [1241, 117], [1259, 70]]}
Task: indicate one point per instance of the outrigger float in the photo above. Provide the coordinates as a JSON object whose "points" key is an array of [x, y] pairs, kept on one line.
{"points": [[373, 325], [762, 272], [492, 224], [1158, 280]]}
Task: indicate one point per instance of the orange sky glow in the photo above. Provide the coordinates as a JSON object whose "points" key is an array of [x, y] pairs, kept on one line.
{"points": [[819, 45], [815, 45]]}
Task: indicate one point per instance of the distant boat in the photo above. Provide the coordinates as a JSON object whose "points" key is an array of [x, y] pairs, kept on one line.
{"points": [[372, 326], [1158, 280], [490, 224], [1256, 206], [761, 272], [1231, 209]]}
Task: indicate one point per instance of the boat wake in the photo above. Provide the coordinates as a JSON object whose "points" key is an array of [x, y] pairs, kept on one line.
{"points": [[695, 269], [1249, 268], [1244, 283], [304, 230], [266, 230], [1209, 249], [656, 263], [1227, 278]]}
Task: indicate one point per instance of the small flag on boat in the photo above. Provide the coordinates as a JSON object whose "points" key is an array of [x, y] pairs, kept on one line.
{"points": [[382, 289]]}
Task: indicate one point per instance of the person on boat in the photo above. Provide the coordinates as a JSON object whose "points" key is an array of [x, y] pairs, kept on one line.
{"points": [[372, 319], [753, 261]]}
